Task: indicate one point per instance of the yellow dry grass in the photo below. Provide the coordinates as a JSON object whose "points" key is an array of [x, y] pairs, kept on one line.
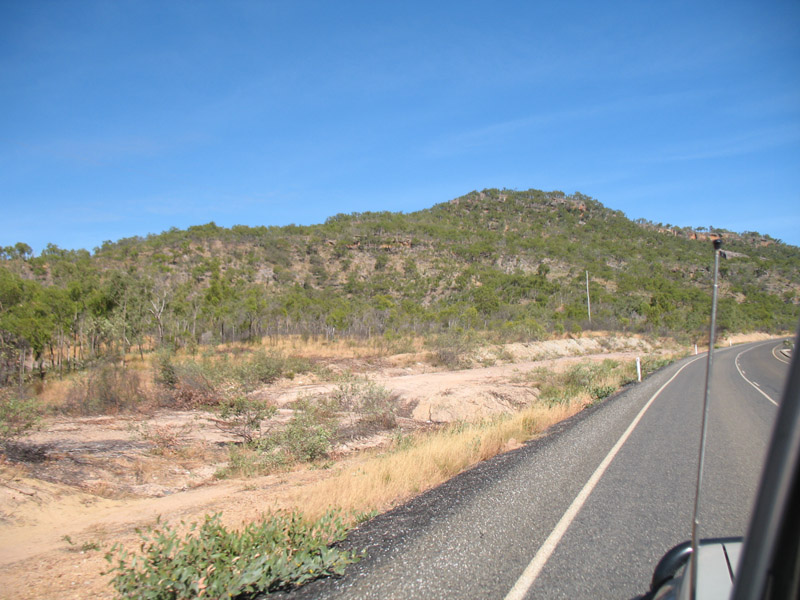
{"points": [[55, 391], [340, 348], [380, 481]]}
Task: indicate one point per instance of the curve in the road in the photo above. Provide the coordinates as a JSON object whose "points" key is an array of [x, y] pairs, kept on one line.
{"points": [[780, 356], [753, 383]]}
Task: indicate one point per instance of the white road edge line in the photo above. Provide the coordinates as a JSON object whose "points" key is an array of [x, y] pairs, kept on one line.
{"points": [[752, 383], [780, 358], [531, 572]]}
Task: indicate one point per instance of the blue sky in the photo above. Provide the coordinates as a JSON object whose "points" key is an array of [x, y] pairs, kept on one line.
{"points": [[130, 117]]}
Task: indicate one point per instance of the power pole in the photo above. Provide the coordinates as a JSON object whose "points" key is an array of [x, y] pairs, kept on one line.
{"points": [[588, 300]]}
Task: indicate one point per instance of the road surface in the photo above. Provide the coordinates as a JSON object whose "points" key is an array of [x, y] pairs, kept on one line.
{"points": [[586, 511]]}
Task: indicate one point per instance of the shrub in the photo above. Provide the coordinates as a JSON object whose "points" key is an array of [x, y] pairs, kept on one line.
{"points": [[310, 433], [250, 461], [451, 349], [18, 415], [166, 374], [243, 416], [195, 386], [593, 381], [106, 389], [307, 437], [204, 383], [260, 368], [373, 404], [280, 552], [166, 439], [265, 367]]}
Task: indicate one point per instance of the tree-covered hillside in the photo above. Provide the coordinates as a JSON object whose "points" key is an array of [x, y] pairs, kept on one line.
{"points": [[510, 262]]}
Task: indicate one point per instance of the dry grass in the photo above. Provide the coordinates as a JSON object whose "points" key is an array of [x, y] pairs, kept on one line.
{"points": [[144, 470], [320, 347], [422, 462], [416, 464], [55, 391]]}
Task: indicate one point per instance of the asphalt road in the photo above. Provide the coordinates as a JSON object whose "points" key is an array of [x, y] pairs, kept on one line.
{"points": [[517, 516]]}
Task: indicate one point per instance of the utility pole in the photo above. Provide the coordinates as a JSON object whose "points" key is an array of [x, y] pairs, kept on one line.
{"points": [[588, 300]]}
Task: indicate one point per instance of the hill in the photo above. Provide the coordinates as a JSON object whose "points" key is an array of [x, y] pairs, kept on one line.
{"points": [[510, 262]]}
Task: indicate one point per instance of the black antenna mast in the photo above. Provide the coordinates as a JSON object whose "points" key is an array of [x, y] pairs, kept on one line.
{"points": [[702, 457]]}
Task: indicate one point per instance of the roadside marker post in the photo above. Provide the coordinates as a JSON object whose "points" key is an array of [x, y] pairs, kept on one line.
{"points": [[638, 369]]}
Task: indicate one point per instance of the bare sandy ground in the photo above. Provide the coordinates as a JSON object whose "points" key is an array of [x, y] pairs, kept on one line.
{"points": [[99, 478]]}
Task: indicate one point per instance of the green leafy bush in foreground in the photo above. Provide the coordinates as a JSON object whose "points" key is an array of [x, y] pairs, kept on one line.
{"points": [[210, 561]]}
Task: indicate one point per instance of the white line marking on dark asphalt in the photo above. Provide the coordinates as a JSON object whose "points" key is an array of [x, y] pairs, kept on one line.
{"points": [[780, 358], [531, 572], [753, 383]]}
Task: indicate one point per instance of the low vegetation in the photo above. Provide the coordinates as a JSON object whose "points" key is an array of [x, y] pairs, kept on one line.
{"points": [[18, 415], [418, 462], [221, 380], [211, 561], [355, 408], [589, 382], [105, 389]]}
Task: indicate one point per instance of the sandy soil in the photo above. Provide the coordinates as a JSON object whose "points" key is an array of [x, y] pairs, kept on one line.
{"points": [[87, 483]]}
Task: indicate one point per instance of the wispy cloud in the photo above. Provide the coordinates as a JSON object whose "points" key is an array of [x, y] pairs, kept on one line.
{"points": [[208, 205], [488, 135], [496, 133], [103, 151], [94, 152], [733, 145]]}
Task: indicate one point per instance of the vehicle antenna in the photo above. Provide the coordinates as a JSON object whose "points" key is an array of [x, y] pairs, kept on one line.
{"points": [[701, 459]]}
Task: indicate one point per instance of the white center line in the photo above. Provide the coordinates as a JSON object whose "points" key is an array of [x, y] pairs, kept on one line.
{"points": [[531, 572]]}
